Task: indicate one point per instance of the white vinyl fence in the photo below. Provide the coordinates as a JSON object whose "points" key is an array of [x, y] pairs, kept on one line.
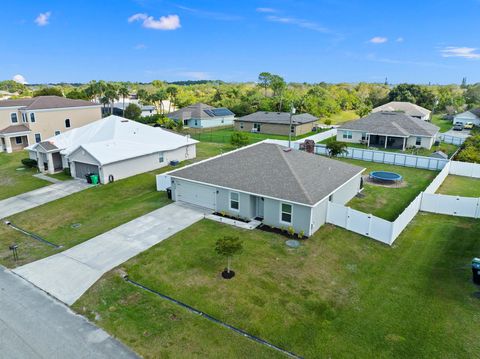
{"points": [[452, 139], [451, 205], [320, 136], [465, 169], [392, 158]]}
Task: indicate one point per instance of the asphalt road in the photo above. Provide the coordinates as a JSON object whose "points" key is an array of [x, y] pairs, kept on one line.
{"points": [[34, 325]]}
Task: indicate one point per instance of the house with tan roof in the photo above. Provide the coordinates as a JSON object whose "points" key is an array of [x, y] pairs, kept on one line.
{"points": [[27, 121], [407, 108]]}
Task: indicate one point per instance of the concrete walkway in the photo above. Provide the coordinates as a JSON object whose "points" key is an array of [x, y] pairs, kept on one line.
{"points": [[67, 275], [35, 198], [34, 325]]}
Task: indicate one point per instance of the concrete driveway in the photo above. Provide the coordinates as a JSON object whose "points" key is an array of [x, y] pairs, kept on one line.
{"points": [[35, 325], [69, 274], [35, 198], [461, 134]]}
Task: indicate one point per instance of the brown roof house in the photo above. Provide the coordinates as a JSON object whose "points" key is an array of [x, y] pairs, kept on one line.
{"points": [[24, 122]]}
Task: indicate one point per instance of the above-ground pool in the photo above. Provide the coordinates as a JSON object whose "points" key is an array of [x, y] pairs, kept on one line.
{"points": [[385, 176]]}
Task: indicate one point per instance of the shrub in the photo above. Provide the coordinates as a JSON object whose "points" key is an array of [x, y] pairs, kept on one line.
{"points": [[336, 148], [67, 171], [28, 162], [239, 139], [328, 122], [301, 234], [291, 230], [133, 112]]}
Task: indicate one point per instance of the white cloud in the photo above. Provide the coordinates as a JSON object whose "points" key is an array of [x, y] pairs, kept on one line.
{"points": [[298, 22], [140, 46], [42, 18], [265, 9], [400, 39], [464, 52], [19, 78], [378, 40], [169, 22]]}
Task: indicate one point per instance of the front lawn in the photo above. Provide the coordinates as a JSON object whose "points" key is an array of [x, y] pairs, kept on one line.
{"points": [[460, 186], [389, 202], [15, 178], [340, 295]]}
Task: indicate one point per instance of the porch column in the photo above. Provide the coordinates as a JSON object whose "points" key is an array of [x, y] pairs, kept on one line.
{"points": [[404, 142], [368, 140], [8, 144], [386, 141], [51, 168]]}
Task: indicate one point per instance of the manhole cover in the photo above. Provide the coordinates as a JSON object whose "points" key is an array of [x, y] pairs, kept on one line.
{"points": [[76, 225], [292, 243], [20, 169]]}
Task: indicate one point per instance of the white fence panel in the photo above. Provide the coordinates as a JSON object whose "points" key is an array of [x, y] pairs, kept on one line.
{"points": [[465, 169], [320, 136], [381, 230], [406, 217], [358, 222], [451, 205], [437, 182], [337, 214], [163, 182], [452, 139]]}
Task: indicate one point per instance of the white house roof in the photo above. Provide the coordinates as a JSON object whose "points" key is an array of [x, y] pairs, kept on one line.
{"points": [[473, 114], [115, 138], [408, 108]]}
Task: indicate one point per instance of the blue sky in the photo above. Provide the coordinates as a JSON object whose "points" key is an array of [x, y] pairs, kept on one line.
{"points": [[418, 41]]}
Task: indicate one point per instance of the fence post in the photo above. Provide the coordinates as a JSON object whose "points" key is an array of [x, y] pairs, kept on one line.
{"points": [[477, 212], [369, 224], [347, 220]]}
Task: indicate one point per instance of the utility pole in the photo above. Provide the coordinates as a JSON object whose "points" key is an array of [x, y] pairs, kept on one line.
{"points": [[292, 112]]}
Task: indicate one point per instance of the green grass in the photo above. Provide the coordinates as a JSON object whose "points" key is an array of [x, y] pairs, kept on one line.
{"points": [[223, 135], [339, 295], [341, 117], [389, 202], [62, 176], [439, 121], [460, 186], [207, 149], [13, 182]]}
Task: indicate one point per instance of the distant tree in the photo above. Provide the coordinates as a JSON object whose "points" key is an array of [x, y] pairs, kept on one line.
{"points": [[172, 92], [464, 83], [132, 112], [386, 82], [111, 93], [416, 94], [13, 86], [142, 94], [472, 95], [265, 79], [157, 99], [77, 95], [228, 246], [123, 92], [239, 139], [336, 148], [363, 110], [48, 91]]}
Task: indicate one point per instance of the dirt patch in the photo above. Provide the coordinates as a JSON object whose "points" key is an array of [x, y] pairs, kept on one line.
{"points": [[368, 180], [6, 181]]}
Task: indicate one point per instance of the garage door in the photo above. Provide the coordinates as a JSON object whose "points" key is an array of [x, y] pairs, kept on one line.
{"points": [[81, 169], [197, 194]]}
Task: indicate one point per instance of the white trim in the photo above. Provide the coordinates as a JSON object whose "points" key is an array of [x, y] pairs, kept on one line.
{"points": [[59, 108], [35, 137], [291, 213], [230, 201], [13, 134]]}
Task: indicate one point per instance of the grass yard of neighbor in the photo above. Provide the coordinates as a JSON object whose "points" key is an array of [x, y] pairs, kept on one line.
{"points": [[460, 186], [389, 202], [14, 182], [339, 295], [439, 121], [343, 116]]}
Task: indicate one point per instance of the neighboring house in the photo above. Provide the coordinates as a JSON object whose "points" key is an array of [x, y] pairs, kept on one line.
{"points": [[390, 130], [147, 110], [407, 108], [113, 147], [280, 186], [200, 115], [468, 116], [24, 122], [276, 123], [5, 95]]}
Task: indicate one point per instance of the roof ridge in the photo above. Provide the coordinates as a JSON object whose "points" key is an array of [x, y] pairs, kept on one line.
{"points": [[297, 179]]}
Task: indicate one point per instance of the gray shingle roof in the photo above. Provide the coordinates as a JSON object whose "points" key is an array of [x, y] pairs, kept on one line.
{"points": [[46, 102], [408, 108], [282, 118], [267, 170], [198, 111], [391, 123], [14, 129]]}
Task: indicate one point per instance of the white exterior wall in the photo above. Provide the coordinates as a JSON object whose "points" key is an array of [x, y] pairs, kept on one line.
{"points": [[319, 216], [427, 142], [214, 122], [356, 136], [349, 190]]}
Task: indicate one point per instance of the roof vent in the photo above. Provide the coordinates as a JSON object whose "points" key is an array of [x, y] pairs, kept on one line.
{"points": [[124, 121], [288, 149], [278, 113]]}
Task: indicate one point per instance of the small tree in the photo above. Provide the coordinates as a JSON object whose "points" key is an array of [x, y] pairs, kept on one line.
{"points": [[228, 246], [336, 148], [239, 139], [133, 112]]}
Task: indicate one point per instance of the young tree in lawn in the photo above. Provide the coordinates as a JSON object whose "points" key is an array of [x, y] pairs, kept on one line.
{"points": [[132, 112], [336, 148], [228, 246], [239, 139]]}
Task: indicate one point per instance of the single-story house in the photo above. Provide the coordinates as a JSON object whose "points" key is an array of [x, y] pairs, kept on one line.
{"points": [[407, 108], [472, 116], [147, 110], [113, 147], [200, 115], [282, 187], [276, 123], [390, 130]]}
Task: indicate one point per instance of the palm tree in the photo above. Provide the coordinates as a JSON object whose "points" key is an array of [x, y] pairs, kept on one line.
{"points": [[142, 94], [104, 100], [157, 99], [172, 92], [124, 92], [112, 95]]}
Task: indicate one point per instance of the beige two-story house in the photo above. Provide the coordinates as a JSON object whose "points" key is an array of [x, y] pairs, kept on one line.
{"points": [[24, 122]]}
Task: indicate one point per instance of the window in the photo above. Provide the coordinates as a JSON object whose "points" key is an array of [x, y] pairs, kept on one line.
{"points": [[24, 117], [196, 122], [364, 136], [38, 138], [286, 213], [57, 132], [347, 134], [234, 201], [18, 140], [223, 121], [418, 141], [32, 117], [292, 129], [67, 123], [14, 117], [257, 127], [241, 124], [160, 157]]}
